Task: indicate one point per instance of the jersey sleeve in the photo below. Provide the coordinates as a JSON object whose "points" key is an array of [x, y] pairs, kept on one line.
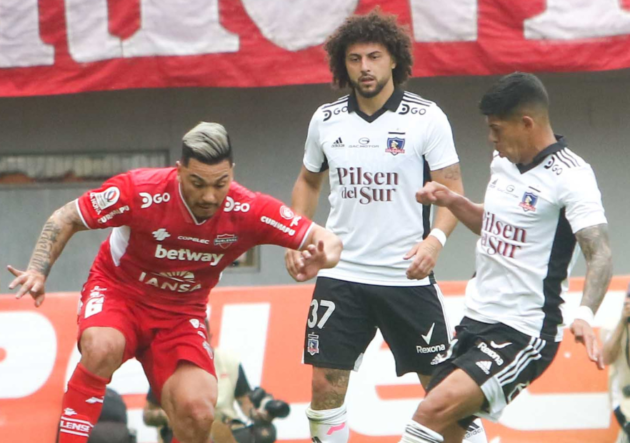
{"points": [[277, 224], [439, 150], [580, 196], [108, 206], [314, 157]]}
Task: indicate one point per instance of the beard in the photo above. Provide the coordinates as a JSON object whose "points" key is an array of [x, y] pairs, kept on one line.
{"points": [[367, 93]]}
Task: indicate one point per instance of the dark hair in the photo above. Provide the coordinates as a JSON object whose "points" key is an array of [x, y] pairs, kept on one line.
{"points": [[512, 93], [374, 27], [208, 143]]}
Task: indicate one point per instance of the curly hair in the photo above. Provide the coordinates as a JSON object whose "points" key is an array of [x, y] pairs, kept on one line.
{"points": [[374, 27]]}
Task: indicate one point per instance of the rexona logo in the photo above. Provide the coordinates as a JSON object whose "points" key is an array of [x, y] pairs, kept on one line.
{"points": [[187, 255], [179, 281]]}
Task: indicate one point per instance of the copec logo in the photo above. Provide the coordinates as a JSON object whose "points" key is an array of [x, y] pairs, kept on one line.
{"points": [[366, 186], [187, 255]]}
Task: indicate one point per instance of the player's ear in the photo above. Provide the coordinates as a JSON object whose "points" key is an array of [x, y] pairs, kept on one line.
{"points": [[179, 166]]}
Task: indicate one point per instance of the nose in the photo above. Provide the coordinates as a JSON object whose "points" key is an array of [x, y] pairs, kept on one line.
{"points": [[210, 197], [365, 67]]}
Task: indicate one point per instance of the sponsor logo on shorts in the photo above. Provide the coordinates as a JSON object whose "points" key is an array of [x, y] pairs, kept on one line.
{"points": [[500, 345], [94, 400], [105, 199], [485, 366], [194, 322], [490, 353], [439, 358], [161, 234], [114, 213], [427, 338], [187, 255], [225, 240], [72, 426], [312, 344], [430, 349], [178, 281], [278, 226], [69, 412]]}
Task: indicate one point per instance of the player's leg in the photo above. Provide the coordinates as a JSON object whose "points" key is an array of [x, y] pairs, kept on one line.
{"points": [[338, 331], [179, 366], [415, 325], [103, 349], [189, 397]]}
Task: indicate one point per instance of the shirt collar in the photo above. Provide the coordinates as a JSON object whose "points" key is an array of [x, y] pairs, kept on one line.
{"points": [[392, 104], [559, 145]]}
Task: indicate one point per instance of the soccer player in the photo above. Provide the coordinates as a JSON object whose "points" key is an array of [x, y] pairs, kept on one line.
{"points": [[542, 200], [175, 230], [378, 145]]}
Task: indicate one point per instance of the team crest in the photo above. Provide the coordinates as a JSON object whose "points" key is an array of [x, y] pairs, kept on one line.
{"points": [[395, 145], [225, 240], [529, 202], [312, 344]]}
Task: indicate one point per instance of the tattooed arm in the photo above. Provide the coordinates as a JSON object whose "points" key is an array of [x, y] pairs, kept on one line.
{"points": [[596, 249], [62, 225], [425, 253]]}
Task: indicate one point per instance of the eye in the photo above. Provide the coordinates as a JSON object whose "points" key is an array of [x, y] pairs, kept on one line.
{"points": [[197, 185]]}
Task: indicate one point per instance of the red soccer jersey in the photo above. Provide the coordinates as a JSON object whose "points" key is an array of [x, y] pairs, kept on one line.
{"points": [[158, 252]]}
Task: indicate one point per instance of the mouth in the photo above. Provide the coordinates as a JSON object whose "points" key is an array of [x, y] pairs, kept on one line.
{"points": [[367, 80]]}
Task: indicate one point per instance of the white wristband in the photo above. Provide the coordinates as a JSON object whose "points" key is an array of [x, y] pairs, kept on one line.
{"points": [[585, 313], [439, 234]]}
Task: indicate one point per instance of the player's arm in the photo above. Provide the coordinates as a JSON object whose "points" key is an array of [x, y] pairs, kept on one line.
{"points": [[426, 252], [306, 192], [467, 212], [595, 246], [304, 201], [59, 228]]}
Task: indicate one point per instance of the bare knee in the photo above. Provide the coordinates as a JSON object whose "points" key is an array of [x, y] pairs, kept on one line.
{"points": [[197, 413], [329, 388], [102, 350]]}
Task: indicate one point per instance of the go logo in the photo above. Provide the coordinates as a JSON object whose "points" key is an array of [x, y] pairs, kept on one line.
{"points": [[231, 205], [148, 199]]}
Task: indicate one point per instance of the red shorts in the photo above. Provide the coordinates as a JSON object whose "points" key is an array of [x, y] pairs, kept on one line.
{"points": [[158, 339]]}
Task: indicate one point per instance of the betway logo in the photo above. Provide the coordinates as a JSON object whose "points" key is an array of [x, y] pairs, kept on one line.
{"points": [[188, 255]]}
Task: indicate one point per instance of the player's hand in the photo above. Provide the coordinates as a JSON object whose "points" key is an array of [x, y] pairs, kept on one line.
{"points": [[434, 193], [31, 282], [425, 255], [292, 262], [584, 334], [311, 260]]}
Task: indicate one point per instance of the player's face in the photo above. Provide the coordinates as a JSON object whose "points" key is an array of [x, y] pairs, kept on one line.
{"points": [[204, 187], [509, 137], [369, 67]]}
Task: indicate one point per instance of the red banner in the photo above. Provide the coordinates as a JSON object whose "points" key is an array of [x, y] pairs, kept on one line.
{"points": [[265, 325], [58, 47]]}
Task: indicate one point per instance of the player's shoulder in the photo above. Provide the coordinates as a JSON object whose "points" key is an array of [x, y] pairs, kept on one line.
{"points": [[328, 110], [416, 99], [147, 177], [566, 167]]}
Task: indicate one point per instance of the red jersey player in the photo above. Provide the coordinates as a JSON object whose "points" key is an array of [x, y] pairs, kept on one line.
{"points": [[175, 230]]}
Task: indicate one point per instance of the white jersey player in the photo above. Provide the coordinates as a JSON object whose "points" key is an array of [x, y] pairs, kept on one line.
{"points": [[378, 145], [542, 201]]}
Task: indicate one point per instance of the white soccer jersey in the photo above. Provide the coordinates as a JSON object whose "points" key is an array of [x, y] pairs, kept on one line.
{"points": [[377, 163], [527, 245]]}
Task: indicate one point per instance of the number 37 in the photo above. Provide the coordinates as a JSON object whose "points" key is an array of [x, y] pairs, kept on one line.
{"points": [[330, 308]]}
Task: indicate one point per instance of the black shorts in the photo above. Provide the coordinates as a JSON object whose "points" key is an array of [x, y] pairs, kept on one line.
{"points": [[500, 359], [343, 318]]}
